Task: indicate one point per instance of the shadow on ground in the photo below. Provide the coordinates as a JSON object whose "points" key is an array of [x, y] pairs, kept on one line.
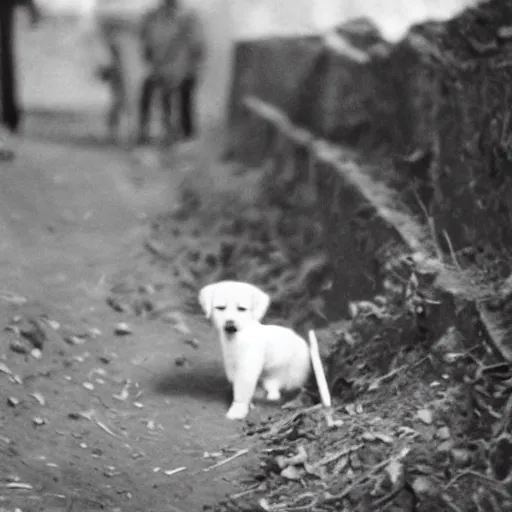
{"points": [[205, 382]]}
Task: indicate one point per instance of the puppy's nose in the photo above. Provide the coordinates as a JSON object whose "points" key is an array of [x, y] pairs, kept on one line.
{"points": [[230, 327]]}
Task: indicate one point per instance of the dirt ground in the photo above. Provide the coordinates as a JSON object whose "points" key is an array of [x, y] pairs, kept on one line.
{"points": [[73, 216]]}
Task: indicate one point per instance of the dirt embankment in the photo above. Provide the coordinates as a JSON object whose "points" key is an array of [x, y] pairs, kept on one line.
{"points": [[403, 145]]}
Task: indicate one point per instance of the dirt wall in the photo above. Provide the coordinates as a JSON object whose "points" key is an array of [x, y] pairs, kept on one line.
{"points": [[416, 138]]}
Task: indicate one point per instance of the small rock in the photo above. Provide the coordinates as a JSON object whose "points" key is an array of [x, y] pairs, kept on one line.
{"points": [[443, 433], [13, 401], [395, 471], [426, 416], [110, 471], [36, 353], [53, 324], [445, 446], [16, 379], [291, 473], [83, 445], [73, 339], [38, 421], [88, 386], [94, 332], [5, 369], [138, 405], [423, 485], [461, 457], [123, 329]]}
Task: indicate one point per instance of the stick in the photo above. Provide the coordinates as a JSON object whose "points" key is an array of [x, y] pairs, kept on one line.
{"points": [[331, 458], [498, 486], [229, 459], [171, 472], [318, 369], [356, 483], [91, 416]]}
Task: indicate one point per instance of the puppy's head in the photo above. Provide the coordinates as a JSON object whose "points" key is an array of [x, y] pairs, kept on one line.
{"points": [[231, 305]]}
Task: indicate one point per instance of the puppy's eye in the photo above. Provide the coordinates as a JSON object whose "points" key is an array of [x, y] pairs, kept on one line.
{"points": [[220, 308], [241, 308]]}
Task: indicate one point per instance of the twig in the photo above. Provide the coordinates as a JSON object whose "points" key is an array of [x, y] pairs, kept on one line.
{"points": [[91, 416], [291, 507], [171, 472], [392, 373], [431, 225], [384, 502], [452, 251], [450, 503], [337, 455], [278, 426], [375, 384], [366, 476], [470, 472], [241, 494], [229, 459]]}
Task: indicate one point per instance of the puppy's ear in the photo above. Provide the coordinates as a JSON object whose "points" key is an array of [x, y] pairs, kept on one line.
{"points": [[260, 303], [206, 299]]}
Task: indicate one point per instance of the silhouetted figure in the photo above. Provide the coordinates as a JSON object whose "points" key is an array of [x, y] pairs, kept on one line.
{"points": [[9, 109], [173, 47]]}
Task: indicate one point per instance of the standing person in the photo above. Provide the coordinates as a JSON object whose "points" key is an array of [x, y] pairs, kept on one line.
{"points": [[173, 47], [118, 24], [9, 110]]}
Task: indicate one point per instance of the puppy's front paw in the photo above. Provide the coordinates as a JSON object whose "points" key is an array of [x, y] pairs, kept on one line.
{"points": [[237, 411]]}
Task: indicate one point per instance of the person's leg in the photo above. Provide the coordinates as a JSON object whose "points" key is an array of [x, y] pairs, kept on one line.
{"points": [[10, 115], [166, 113], [148, 90], [187, 107]]}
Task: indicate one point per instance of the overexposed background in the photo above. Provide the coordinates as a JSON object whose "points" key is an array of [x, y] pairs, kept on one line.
{"points": [[225, 22]]}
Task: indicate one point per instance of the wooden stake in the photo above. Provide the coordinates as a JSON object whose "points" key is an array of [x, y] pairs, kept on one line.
{"points": [[318, 370]]}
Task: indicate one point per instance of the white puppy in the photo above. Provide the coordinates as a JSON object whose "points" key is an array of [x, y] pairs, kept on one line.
{"points": [[270, 355]]}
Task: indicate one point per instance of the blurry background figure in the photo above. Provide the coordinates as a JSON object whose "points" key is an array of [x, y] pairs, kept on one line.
{"points": [[9, 108], [173, 46], [118, 22]]}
